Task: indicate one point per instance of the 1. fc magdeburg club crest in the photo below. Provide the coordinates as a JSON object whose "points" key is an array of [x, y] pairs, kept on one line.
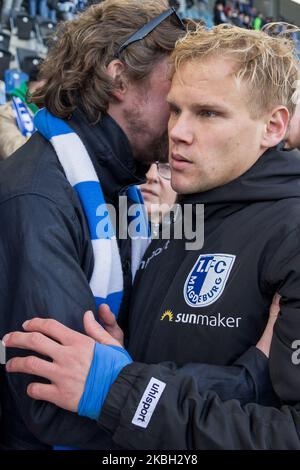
{"points": [[206, 281]]}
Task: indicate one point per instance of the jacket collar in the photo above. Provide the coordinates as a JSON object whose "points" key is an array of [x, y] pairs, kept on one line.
{"points": [[275, 176], [110, 152]]}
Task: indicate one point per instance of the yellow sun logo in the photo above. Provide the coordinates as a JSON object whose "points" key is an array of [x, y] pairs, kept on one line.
{"points": [[167, 314]]}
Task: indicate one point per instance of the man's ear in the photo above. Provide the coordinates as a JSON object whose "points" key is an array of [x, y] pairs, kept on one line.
{"points": [[276, 127], [115, 70]]}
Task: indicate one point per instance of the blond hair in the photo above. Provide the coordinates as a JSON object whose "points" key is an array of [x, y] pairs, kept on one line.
{"points": [[75, 68], [267, 63]]}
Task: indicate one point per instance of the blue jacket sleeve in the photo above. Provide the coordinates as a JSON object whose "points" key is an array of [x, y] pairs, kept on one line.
{"points": [[107, 363]]}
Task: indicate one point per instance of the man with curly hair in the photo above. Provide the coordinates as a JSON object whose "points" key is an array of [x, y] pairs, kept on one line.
{"points": [[104, 120]]}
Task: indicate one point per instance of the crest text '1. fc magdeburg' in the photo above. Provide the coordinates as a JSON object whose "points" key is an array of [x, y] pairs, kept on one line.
{"points": [[206, 281]]}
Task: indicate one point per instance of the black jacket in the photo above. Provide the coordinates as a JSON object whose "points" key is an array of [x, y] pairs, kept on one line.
{"points": [[210, 307], [46, 263]]}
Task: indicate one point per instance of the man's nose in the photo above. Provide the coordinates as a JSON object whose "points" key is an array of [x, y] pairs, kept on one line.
{"points": [[181, 131]]}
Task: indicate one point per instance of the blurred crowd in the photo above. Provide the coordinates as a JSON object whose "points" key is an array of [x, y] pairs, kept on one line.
{"points": [[46, 9], [240, 13]]}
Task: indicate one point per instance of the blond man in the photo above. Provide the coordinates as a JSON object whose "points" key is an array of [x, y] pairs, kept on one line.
{"points": [[230, 102]]}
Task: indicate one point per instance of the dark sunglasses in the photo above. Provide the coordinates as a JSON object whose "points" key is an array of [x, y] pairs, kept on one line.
{"points": [[148, 28]]}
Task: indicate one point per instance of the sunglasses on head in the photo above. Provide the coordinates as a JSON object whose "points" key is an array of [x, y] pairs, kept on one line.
{"points": [[148, 28]]}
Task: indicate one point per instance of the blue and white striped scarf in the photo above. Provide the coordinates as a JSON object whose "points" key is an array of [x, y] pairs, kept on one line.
{"points": [[106, 282]]}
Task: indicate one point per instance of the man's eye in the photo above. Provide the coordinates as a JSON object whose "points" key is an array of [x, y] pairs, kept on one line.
{"points": [[175, 111], [206, 113]]}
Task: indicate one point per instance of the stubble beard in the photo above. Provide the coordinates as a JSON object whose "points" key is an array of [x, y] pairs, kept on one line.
{"points": [[146, 147]]}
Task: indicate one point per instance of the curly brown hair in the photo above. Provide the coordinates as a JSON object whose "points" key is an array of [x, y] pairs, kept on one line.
{"points": [[74, 71]]}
